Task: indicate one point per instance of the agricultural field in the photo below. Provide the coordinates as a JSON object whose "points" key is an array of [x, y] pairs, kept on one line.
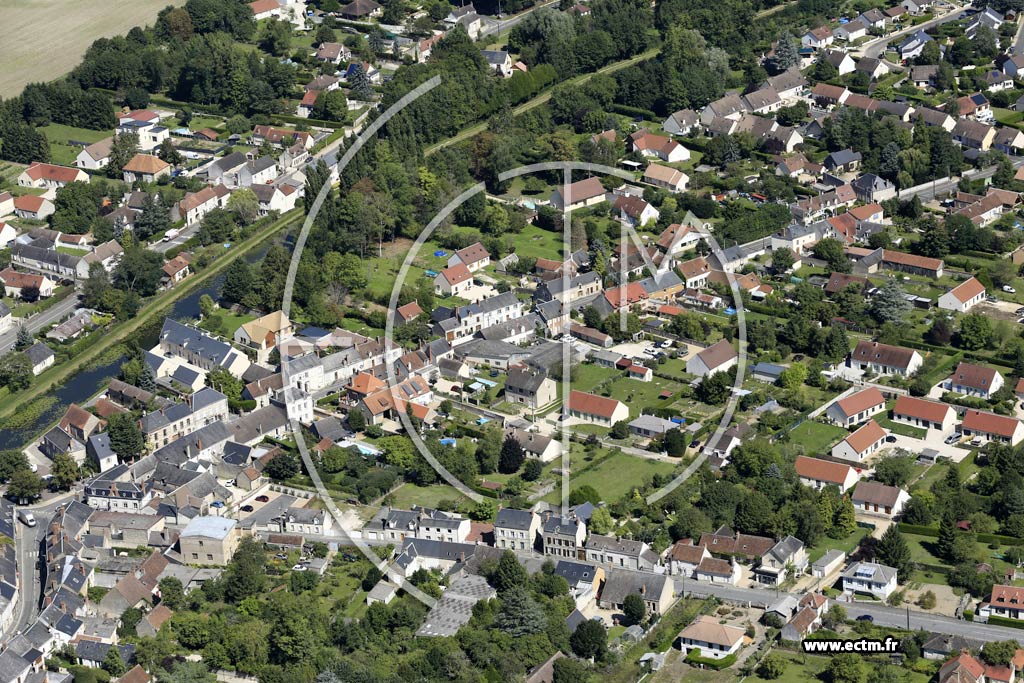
{"points": [[72, 25]]}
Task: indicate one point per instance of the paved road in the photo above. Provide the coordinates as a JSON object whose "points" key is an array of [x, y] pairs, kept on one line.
{"points": [[504, 25], [54, 314], [875, 48], [883, 615], [29, 543], [1018, 40], [181, 238]]}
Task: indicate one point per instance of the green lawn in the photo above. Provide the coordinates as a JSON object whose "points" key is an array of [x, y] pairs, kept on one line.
{"points": [[229, 322], [359, 327], [608, 477], [408, 495], [637, 394], [847, 544], [60, 138], [901, 428], [815, 437], [73, 251], [533, 241]]}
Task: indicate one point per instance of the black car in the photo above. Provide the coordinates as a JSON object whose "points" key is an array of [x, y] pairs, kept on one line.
{"points": [[246, 508], [866, 617]]}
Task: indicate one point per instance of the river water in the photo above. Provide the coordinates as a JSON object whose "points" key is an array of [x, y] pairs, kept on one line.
{"points": [[86, 383]]}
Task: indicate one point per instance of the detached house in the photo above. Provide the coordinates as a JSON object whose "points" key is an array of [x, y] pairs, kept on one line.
{"points": [[869, 577], [1004, 601], [530, 388], [875, 498], [963, 297], [453, 281], [578, 195], [974, 380], [655, 589], [925, 414], [650, 145], [596, 409], [720, 357], [50, 177], [145, 168], [818, 474], [474, 257], [992, 427], [857, 407], [666, 177], [885, 359], [711, 639], [861, 444]]}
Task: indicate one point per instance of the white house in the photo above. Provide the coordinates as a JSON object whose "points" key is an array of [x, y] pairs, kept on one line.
{"points": [[710, 638], [818, 474], [884, 359], [870, 577], [963, 297], [818, 38], [719, 357], [683, 558], [992, 427], [596, 409], [857, 407], [453, 281], [974, 380], [875, 498], [925, 414], [95, 156], [50, 176], [861, 444], [474, 257]]}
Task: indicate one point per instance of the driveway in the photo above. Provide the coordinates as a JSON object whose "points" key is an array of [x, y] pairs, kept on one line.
{"points": [[934, 440], [262, 515]]}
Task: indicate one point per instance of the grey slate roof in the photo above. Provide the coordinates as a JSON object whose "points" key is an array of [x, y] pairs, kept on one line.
{"points": [[509, 518]]}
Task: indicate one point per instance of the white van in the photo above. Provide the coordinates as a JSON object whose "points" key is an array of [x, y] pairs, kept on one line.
{"points": [[27, 517]]}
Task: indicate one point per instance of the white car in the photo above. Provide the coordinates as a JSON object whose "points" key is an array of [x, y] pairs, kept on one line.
{"points": [[299, 568], [34, 467], [1009, 290]]}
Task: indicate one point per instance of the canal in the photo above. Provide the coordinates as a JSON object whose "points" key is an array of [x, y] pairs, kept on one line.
{"points": [[91, 380]]}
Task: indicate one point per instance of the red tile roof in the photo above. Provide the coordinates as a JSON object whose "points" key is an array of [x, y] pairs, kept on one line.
{"points": [[58, 174], [822, 470], [861, 401], [589, 404], [967, 290], [456, 274], [921, 409], [868, 435], [990, 423]]}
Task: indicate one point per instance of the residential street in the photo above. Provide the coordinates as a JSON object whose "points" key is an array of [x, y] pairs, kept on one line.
{"points": [[54, 314], [882, 614], [875, 48], [28, 541]]}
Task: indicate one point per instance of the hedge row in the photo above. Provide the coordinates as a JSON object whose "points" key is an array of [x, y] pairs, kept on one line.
{"points": [[716, 664], [1003, 621]]}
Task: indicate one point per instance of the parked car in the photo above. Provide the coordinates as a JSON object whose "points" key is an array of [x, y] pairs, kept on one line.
{"points": [[247, 508], [299, 567], [1009, 290], [217, 504], [952, 438], [262, 499], [1020, 311], [891, 438], [866, 617]]}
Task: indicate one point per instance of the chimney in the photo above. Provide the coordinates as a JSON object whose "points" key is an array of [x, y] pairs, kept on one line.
{"points": [[643, 589]]}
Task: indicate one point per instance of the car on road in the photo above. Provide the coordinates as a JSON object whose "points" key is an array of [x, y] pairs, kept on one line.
{"points": [[247, 508], [1009, 290], [866, 617], [262, 499], [27, 518]]}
